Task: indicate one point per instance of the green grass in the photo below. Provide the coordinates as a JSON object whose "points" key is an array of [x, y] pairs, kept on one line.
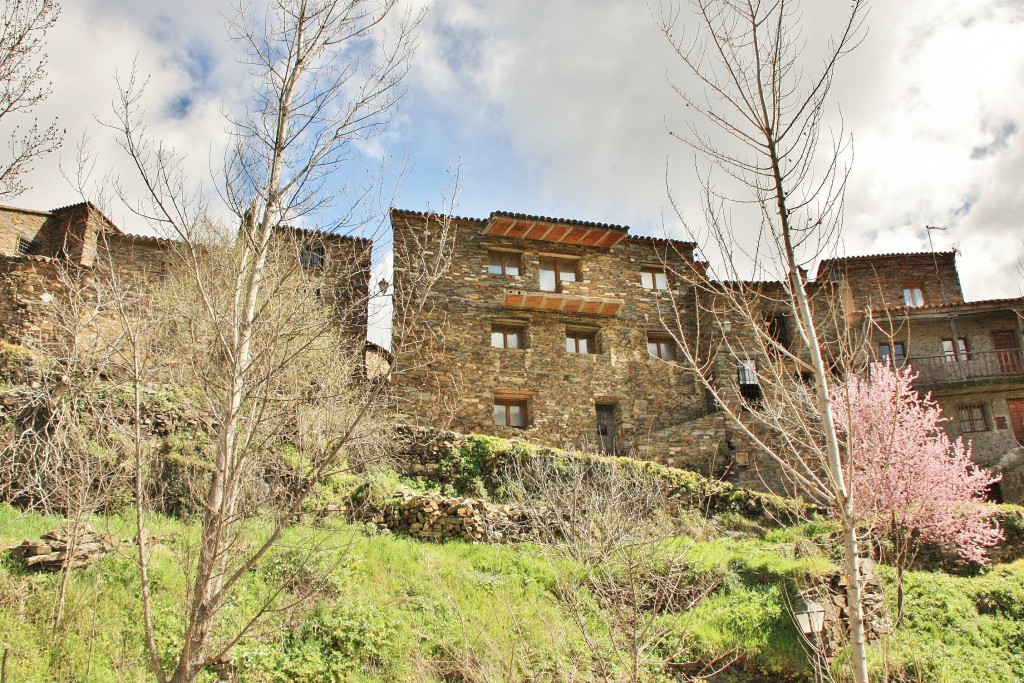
{"points": [[395, 609]]}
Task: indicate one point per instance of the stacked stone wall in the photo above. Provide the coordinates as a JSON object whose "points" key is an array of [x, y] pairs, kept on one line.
{"points": [[27, 283], [878, 281], [15, 223], [458, 386], [436, 518]]}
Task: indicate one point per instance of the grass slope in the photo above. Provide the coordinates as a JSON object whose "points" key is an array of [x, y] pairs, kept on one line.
{"points": [[393, 609]]}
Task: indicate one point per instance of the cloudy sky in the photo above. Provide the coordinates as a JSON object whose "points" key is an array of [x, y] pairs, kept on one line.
{"points": [[561, 108]]}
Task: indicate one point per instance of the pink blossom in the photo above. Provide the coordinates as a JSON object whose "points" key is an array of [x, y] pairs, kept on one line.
{"points": [[906, 470]]}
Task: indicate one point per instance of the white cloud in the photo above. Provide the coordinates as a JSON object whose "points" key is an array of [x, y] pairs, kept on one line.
{"points": [[575, 98], [561, 108]]}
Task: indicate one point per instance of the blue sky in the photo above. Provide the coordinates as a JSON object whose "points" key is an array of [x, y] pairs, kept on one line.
{"points": [[561, 108]]}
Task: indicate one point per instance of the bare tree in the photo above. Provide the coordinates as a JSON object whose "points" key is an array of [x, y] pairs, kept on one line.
{"points": [[608, 528], [764, 108], [23, 76], [64, 457], [276, 360]]}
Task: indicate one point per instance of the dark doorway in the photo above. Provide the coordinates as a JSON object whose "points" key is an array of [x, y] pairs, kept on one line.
{"points": [[607, 431]]}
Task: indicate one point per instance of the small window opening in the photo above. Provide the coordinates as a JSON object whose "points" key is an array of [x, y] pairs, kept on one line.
{"points": [[580, 341], [653, 277], [913, 296], [554, 271], [506, 336], [661, 346], [962, 348], [894, 352], [504, 263], [510, 413], [778, 331], [972, 418], [746, 378], [25, 247], [312, 256]]}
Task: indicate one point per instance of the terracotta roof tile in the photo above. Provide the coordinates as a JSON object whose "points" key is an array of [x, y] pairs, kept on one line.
{"points": [[565, 221], [980, 303]]}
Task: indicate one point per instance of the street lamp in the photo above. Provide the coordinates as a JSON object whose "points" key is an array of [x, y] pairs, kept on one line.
{"points": [[810, 617]]}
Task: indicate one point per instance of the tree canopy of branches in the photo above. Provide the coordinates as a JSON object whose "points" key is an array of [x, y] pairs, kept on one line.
{"points": [[275, 363], [627, 578], [24, 87], [755, 117]]}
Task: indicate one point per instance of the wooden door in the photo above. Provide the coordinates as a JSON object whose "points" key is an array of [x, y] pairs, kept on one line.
{"points": [[606, 429], [1007, 352], [1017, 418]]}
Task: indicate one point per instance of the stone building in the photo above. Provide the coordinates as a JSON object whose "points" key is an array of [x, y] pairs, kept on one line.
{"points": [[37, 248], [554, 331], [968, 354]]}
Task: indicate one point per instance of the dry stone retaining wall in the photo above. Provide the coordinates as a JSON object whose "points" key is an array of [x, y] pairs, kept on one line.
{"points": [[431, 517]]}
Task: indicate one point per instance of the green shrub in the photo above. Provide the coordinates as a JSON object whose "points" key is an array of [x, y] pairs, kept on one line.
{"points": [[333, 643]]}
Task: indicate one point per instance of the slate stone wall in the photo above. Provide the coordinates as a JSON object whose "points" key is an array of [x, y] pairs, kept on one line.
{"points": [[80, 236], [878, 281], [457, 384]]}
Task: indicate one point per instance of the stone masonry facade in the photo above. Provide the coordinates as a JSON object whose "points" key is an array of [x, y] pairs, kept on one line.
{"points": [[574, 362], [606, 310], [916, 310], [39, 248]]}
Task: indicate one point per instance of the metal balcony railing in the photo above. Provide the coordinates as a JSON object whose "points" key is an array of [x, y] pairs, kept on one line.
{"points": [[973, 365]]}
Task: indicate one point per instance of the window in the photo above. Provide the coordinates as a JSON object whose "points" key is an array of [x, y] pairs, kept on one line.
{"points": [[509, 412], [746, 378], [312, 256], [971, 418], [777, 328], [508, 336], [963, 349], [913, 296], [580, 341], [504, 263], [661, 346], [25, 247], [893, 351], [556, 270], [653, 277]]}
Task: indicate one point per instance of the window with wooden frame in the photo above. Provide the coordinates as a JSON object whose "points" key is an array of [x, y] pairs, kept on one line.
{"points": [[504, 263], [913, 294], [312, 256], [653, 277], [972, 418], [510, 412], [508, 336], [661, 346], [582, 341], [554, 270], [894, 352], [963, 348]]}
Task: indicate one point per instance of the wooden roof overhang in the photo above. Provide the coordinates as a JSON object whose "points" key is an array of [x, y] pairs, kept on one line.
{"points": [[581, 233], [562, 303]]}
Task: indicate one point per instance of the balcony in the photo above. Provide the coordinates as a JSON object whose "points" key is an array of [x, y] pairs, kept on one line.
{"points": [[973, 366], [562, 302]]}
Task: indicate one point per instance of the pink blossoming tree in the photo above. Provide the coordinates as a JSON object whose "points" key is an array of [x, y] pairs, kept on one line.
{"points": [[912, 483]]}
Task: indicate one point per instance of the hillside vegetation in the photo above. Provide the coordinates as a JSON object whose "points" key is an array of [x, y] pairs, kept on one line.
{"points": [[359, 604]]}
